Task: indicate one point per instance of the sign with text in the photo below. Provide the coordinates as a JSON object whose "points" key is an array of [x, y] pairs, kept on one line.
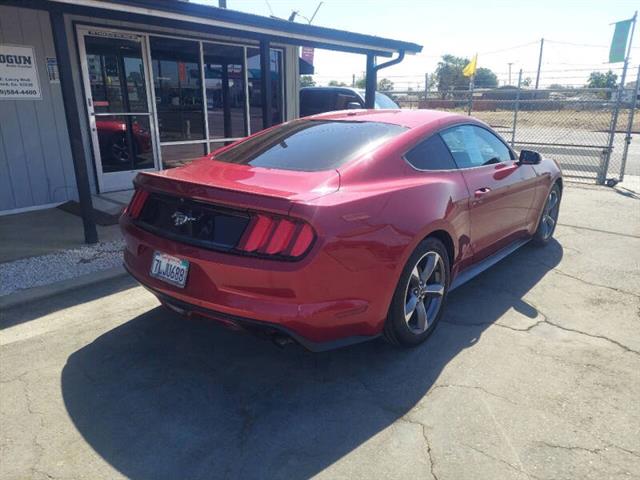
{"points": [[18, 73], [307, 55]]}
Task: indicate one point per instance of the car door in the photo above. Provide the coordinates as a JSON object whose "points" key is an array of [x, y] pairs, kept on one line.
{"points": [[501, 192]]}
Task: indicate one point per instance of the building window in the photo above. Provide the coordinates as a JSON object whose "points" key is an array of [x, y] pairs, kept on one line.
{"points": [[225, 88], [116, 75], [213, 146], [255, 95], [178, 155], [177, 82], [192, 117]]}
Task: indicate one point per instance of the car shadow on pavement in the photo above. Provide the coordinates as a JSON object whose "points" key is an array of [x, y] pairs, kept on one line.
{"points": [[163, 397]]}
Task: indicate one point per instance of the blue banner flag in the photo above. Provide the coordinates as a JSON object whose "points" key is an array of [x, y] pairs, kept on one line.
{"points": [[618, 49]]}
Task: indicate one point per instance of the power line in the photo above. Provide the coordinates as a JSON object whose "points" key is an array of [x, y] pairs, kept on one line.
{"points": [[509, 48], [579, 44]]}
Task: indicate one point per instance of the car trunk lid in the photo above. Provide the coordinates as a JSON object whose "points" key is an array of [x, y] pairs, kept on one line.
{"points": [[241, 186]]}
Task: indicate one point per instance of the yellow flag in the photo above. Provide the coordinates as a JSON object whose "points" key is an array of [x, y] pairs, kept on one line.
{"points": [[470, 69]]}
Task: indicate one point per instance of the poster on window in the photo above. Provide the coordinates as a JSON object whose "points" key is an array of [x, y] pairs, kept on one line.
{"points": [[18, 73], [52, 70]]}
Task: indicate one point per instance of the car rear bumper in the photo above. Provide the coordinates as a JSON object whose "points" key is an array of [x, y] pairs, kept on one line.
{"points": [[302, 300], [273, 331]]}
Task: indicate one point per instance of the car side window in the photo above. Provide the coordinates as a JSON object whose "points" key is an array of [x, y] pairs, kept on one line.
{"points": [[431, 154], [492, 149], [473, 146]]}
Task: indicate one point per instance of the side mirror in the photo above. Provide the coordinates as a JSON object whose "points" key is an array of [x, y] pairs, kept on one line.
{"points": [[529, 157], [353, 106]]}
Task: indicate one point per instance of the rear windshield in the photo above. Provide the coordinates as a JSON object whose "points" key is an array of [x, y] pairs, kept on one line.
{"points": [[310, 145]]}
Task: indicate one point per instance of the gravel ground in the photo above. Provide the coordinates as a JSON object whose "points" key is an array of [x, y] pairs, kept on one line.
{"points": [[46, 269]]}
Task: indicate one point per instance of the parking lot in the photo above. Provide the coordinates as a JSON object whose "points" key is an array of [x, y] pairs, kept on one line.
{"points": [[533, 373]]}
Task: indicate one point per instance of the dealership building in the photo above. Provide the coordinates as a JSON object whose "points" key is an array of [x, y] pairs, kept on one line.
{"points": [[92, 91]]}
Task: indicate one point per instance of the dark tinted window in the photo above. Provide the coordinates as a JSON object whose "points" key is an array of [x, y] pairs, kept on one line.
{"points": [[316, 101], [178, 89], [224, 83], [474, 146], [310, 145], [255, 73], [431, 154]]}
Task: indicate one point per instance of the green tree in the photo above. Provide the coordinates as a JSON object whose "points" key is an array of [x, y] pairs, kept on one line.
{"points": [[385, 85], [336, 83], [307, 81], [485, 78], [602, 80], [449, 74]]}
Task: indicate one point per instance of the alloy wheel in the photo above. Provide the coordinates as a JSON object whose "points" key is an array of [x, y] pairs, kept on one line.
{"points": [[550, 214], [424, 293]]}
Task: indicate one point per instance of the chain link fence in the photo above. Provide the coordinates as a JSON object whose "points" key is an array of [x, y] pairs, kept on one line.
{"points": [[572, 125]]}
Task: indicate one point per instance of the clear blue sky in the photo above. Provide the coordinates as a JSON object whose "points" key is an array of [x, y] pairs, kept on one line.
{"points": [[464, 27]]}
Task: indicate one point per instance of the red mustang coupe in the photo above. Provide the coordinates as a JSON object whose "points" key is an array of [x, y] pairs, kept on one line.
{"points": [[338, 228]]}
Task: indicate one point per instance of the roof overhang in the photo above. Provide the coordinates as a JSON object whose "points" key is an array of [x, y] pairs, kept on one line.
{"points": [[256, 26]]}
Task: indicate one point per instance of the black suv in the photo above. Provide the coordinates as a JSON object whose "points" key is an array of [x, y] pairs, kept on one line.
{"points": [[315, 100]]}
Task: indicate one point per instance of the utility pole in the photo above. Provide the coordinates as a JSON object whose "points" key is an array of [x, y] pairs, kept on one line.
{"points": [[426, 85], [539, 63], [510, 63], [353, 80]]}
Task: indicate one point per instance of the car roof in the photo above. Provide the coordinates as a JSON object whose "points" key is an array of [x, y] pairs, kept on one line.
{"points": [[330, 88], [406, 118]]}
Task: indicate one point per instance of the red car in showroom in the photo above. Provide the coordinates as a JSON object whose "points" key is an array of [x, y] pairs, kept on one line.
{"points": [[338, 228]]}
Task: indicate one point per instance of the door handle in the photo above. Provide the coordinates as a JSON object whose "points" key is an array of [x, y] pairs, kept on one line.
{"points": [[481, 191]]}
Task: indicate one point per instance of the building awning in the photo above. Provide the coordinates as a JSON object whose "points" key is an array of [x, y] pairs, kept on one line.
{"points": [[305, 68], [256, 26]]}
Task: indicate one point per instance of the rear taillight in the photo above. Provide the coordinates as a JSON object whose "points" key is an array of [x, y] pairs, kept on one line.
{"points": [[277, 236], [137, 202]]}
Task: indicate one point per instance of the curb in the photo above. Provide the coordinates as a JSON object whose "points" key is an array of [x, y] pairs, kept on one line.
{"points": [[35, 294]]}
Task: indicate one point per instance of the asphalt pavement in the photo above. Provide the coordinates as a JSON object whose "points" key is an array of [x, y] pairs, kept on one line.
{"points": [[533, 373]]}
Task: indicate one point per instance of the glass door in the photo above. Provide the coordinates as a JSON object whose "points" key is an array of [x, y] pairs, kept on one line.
{"points": [[116, 82]]}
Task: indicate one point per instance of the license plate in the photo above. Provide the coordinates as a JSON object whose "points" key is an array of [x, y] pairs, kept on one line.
{"points": [[169, 269]]}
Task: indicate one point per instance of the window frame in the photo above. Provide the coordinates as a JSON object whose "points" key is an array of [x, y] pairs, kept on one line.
{"points": [[514, 156], [420, 142], [146, 36], [512, 153]]}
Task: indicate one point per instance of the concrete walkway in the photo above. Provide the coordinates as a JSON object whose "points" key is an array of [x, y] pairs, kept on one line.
{"points": [[43, 232]]}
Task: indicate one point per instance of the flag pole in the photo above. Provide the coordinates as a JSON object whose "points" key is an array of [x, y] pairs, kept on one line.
{"points": [[626, 58], [614, 120], [471, 87]]}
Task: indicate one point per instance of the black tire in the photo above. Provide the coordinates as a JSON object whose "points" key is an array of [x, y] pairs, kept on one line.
{"points": [[397, 329], [544, 232]]}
